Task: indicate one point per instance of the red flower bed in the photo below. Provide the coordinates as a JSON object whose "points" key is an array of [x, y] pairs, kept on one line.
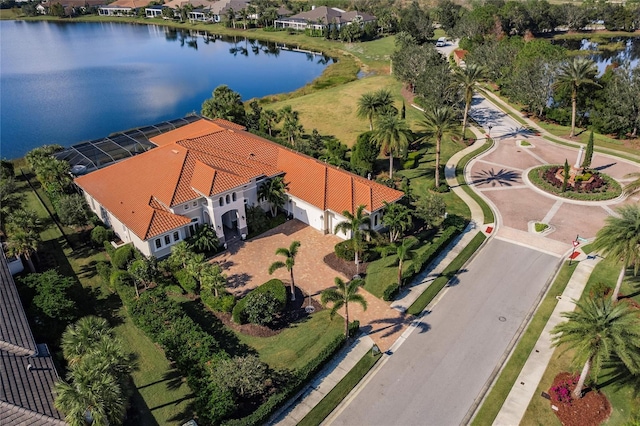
{"points": [[590, 410]]}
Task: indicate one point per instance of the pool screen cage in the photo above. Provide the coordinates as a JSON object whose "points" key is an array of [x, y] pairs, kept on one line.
{"points": [[92, 155]]}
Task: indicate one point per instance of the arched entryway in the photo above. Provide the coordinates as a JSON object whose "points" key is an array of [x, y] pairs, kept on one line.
{"points": [[230, 225]]}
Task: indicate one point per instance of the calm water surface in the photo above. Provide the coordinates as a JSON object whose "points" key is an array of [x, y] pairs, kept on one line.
{"points": [[65, 83], [628, 54]]}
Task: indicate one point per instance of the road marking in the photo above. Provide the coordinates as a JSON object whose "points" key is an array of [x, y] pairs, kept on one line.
{"points": [[610, 211], [552, 212], [500, 165], [532, 247], [536, 156]]}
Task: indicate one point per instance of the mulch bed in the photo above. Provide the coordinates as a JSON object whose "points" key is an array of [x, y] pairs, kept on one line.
{"points": [[592, 409], [293, 312], [345, 267]]}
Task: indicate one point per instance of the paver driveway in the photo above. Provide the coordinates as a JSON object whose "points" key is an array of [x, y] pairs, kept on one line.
{"points": [[246, 265]]}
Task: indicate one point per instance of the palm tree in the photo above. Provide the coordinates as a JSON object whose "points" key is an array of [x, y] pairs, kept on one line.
{"points": [[25, 220], [195, 267], [269, 119], [23, 243], [393, 135], [291, 125], [273, 191], [181, 253], [78, 339], [367, 105], [466, 79], [573, 74], [213, 279], [357, 225], [439, 122], [598, 329], [403, 251], [620, 238], [341, 296], [397, 218], [633, 186], [290, 260], [10, 199]]}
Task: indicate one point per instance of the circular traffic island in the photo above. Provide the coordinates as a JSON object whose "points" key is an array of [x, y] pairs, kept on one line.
{"points": [[579, 184]]}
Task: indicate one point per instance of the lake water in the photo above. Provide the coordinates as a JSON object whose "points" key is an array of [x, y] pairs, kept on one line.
{"points": [[68, 82], [630, 52]]}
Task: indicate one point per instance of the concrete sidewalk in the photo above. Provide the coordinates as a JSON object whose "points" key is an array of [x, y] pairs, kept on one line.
{"points": [[527, 382]]}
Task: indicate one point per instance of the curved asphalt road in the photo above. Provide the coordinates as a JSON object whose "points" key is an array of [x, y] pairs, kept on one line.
{"points": [[437, 373]]}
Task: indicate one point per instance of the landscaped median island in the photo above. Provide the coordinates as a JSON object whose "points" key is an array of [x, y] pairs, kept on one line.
{"points": [[590, 185]]}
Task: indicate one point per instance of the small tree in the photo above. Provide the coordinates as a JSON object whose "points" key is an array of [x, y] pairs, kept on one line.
{"points": [[245, 376], [342, 295], [397, 218], [53, 295], [213, 279], [24, 244], [261, 308], [273, 191], [72, 210], [565, 175], [290, 260], [588, 154], [358, 225], [430, 208]]}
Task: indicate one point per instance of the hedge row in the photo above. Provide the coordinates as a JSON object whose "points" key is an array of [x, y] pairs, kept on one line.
{"points": [[274, 286]]}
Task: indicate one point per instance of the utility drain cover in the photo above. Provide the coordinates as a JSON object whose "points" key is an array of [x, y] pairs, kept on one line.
{"points": [[502, 319]]}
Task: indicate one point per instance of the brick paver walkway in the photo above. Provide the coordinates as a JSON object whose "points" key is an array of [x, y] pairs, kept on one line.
{"points": [[246, 265]]}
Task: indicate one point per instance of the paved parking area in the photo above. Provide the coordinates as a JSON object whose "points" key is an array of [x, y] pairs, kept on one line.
{"points": [[246, 265]]}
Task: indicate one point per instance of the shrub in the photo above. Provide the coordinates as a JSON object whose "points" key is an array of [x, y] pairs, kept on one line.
{"points": [[109, 249], [174, 289], [261, 308], [600, 290], [274, 286], [223, 303], [100, 235], [354, 328], [390, 292], [428, 255], [104, 271], [344, 250], [120, 280], [123, 256], [540, 227], [454, 220], [186, 281]]}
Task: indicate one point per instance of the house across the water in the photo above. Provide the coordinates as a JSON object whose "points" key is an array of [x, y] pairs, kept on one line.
{"points": [[210, 172]]}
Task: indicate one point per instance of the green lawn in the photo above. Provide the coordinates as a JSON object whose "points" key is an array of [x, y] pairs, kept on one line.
{"points": [[621, 396], [340, 391], [486, 210], [296, 345], [502, 386]]}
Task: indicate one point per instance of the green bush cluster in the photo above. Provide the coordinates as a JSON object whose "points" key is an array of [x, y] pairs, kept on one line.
{"points": [[390, 292], [344, 250], [261, 308], [424, 258], [223, 303], [186, 281], [100, 235], [123, 256], [274, 286]]}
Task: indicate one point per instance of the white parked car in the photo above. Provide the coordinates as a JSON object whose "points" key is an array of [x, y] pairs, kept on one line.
{"points": [[442, 41]]}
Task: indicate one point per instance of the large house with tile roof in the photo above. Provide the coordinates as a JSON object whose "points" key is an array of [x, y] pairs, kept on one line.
{"points": [[208, 172], [320, 17], [27, 372]]}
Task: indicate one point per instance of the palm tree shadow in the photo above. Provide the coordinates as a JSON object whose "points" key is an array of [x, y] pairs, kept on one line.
{"points": [[388, 326], [502, 177], [618, 376]]}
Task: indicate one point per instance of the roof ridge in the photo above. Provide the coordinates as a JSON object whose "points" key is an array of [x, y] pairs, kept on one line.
{"points": [[16, 349], [353, 193], [325, 200], [177, 185], [147, 231]]}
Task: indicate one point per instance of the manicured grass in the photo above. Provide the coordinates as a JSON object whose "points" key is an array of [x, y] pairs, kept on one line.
{"points": [[340, 391], [620, 395], [161, 395], [10, 13], [438, 284], [296, 345], [375, 54], [502, 386]]}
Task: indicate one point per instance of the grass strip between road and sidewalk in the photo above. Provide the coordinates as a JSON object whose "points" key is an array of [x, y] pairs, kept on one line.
{"points": [[486, 210], [340, 391], [449, 272], [503, 384]]}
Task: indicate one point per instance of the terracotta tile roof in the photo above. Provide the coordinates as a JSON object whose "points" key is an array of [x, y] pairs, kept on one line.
{"points": [[140, 190], [134, 4]]}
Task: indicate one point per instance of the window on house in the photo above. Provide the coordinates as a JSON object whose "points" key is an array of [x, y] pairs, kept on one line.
{"points": [[186, 206], [195, 203], [233, 196], [228, 199], [176, 236], [205, 202], [167, 240], [375, 220], [158, 243], [221, 202]]}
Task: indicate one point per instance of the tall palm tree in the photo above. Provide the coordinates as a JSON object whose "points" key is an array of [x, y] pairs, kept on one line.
{"points": [[269, 119], [342, 295], [273, 191], [466, 79], [439, 122], [358, 225], [290, 261], [23, 243], [291, 123], [79, 339], [578, 72], [25, 220], [393, 135], [620, 238], [213, 279], [367, 106], [633, 186], [598, 329], [195, 267], [181, 253], [10, 199]]}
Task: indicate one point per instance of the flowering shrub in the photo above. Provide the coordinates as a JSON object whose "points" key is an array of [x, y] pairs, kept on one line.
{"points": [[563, 390]]}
